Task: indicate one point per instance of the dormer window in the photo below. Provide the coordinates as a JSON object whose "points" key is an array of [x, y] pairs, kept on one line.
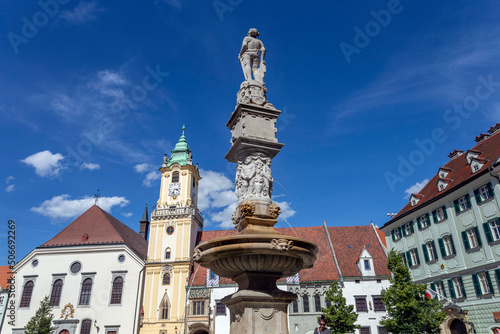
{"points": [[175, 177], [415, 198], [443, 182], [365, 263], [443, 172], [471, 154], [476, 164]]}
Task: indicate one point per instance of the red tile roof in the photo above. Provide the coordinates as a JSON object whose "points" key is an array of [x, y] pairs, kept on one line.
{"points": [[348, 243], [96, 226], [324, 268], [461, 173], [5, 275]]}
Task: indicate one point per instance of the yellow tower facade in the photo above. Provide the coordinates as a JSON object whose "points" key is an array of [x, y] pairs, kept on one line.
{"points": [[175, 224]]}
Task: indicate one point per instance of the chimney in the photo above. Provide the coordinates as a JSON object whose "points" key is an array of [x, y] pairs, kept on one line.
{"points": [[455, 154], [494, 129], [144, 229], [482, 137]]}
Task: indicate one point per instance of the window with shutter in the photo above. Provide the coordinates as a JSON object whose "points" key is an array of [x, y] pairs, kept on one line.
{"points": [[457, 285]]}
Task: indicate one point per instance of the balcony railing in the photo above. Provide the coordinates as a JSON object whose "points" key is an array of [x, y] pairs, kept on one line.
{"points": [[175, 212]]}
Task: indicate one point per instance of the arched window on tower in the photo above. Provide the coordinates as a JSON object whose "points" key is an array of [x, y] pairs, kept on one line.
{"points": [[166, 279], [175, 177], [167, 253], [55, 296], [116, 292], [164, 308]]}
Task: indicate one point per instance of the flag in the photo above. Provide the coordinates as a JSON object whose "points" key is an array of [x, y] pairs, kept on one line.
{"points": [[429, 293]]}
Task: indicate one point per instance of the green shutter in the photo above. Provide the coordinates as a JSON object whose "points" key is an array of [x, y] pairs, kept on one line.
{"points": [[393, 236], [477, 287], [426, 254], [462, 286], [419, 223], [467, 199], [434, 250], [489, 281], [411, 227], [444, 289], [490, 189], [408, 259], [497, 275], [477, 196], [435, 216], [452, 245], [452, 289], [403, 229], [457, 207], [476, 230], [487, 231], [428, 218], [418, 257], [444, 212], [465, 240], [433, 288], [441, 247]]}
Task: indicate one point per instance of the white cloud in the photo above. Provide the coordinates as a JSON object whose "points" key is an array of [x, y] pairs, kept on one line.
{"points": [[127, 214], [90, 166], [82, 13], [152, 174], [111, 78], [9, 179], [10, 188], [45, 163], [63, 207], [286, 210], [415, 189]]}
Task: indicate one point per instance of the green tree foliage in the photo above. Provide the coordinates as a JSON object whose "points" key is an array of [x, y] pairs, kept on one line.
{"points": [[41, 323], [408, 310], [340, 317]]}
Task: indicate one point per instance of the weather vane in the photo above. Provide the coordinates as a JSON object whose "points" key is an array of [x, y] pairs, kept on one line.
{"points": [[96, 196]]}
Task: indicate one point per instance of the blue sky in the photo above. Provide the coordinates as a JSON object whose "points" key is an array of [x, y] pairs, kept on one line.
{"points": [[374, 95]]}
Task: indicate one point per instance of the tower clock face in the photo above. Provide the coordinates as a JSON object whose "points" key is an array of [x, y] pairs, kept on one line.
{"points": [[174, 189]]}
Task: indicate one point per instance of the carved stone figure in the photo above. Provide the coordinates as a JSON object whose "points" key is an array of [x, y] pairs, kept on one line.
{"points": [[249, 57], [281, 244], [254, 178]]}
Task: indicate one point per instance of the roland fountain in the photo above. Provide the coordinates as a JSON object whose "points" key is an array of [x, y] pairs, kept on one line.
{"points": [[258, 255]]}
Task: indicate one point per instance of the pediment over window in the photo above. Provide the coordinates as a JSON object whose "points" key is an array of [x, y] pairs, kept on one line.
{"points": [[365, 263]]}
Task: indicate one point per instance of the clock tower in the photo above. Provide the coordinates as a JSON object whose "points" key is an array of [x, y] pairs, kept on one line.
{"points": [[175, 224]]}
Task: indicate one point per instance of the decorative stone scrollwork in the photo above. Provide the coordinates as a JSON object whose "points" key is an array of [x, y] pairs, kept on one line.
{"points": [[243, 210], [197, 255], [266, 314], [281, 244], [274, 210], [254, 177]]}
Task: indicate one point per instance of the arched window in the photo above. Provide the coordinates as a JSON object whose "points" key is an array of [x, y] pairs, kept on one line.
{"points": [[86, 290], [86, 325], [166, 279], [26, 296], [164, 310], [317, 303], [167, 253], [55, 296], [175, 177], [305, 303], [116, 292]]}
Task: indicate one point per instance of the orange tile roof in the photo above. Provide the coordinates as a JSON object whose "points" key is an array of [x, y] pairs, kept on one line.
{"points": [[461, 173], [5, 275], [324, 268], [100, 228]]}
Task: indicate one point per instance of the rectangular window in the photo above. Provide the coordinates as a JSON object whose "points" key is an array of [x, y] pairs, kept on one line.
{"points": [[449, 247], [220, 308], [396, 234], [361, 304], [412, 258], [440, 290], [305, 303], [429, 250], [484, 283], [461, 204], [471, 234], [295, 306], [377, 304], [408, 228], [367, 264], [199, 308], [483, 193], [382, 330], [492, 230], [423, 221], [364, 330], [457, 285]]}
